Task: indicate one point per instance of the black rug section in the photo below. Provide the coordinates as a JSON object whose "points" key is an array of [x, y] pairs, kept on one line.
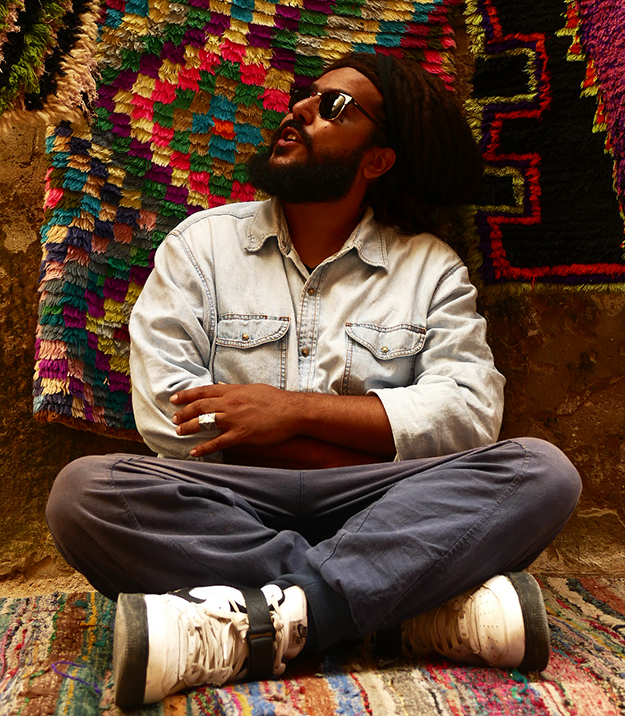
{"points": [[580, 221]]}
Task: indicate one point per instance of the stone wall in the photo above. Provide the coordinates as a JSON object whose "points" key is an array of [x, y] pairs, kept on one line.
{"points": [[564, 358], [563, 355]]}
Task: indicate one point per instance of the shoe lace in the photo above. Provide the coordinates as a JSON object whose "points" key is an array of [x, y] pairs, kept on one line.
{"points": [[444, 629], [217, 647], [280, 644]]}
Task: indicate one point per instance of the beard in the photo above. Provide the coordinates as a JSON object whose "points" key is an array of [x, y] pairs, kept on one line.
{"points": [[321, 177]]}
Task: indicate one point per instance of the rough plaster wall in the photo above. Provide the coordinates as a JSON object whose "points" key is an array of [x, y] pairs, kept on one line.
{"points": [[563, 356]]}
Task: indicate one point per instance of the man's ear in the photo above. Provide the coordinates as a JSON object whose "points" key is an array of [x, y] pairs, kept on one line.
{"points": [[378, 161]]}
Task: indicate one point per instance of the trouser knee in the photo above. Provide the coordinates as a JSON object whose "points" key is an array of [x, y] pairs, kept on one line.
{"points": [[66, 508], [558, 484]]}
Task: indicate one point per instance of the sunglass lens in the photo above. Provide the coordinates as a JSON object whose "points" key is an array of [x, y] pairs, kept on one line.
{"points": [[331, 105]]}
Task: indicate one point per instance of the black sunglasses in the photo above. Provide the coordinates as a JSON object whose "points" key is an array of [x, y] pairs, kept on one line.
{"points": [[331, 103]]}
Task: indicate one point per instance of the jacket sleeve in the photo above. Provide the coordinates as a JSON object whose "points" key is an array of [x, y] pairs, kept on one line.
{"points": [[171, 328], [456, 400]]}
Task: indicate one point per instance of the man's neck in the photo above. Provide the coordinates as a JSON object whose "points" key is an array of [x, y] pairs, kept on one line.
{"points": [[320, 230]]}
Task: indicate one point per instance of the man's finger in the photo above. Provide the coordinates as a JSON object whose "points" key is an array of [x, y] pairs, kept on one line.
{"points": [[195, 425], [194, 410], [222, 442], [192, 394]]}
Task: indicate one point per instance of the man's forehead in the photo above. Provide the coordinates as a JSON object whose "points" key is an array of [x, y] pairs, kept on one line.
{"points": [[346, 79]]}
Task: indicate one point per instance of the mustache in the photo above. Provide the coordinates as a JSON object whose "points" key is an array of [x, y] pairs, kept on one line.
{"points": [[298, 126]]}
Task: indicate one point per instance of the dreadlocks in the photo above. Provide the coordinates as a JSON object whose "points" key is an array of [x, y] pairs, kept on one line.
{"points": [[438, 161]]}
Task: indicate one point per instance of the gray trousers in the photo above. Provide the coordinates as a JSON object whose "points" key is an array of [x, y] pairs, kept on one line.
{"points": [[390, 540]]}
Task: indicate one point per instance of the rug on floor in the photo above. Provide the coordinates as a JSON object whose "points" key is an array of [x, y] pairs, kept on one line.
{"points": [[55, 659], [548, 107], [188, 91]]}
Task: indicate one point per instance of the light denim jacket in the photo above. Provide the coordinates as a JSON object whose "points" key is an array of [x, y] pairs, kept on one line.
{"points": [[230, 300]]}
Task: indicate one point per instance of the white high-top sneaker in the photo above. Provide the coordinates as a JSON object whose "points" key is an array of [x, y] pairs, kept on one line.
{"points": [[164, 643], [502, 623]]}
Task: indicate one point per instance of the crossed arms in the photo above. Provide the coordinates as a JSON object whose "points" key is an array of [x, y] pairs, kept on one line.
{"points": [[433, 397], [265, 426]]}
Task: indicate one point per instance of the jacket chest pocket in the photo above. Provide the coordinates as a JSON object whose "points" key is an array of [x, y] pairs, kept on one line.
{"points": [[380, 356], [251, 349]]}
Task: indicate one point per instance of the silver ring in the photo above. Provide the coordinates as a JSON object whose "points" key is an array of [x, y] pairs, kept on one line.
{"points": [[207, 421]]}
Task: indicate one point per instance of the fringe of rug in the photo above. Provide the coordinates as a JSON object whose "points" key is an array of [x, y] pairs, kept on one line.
{"points": [[48, 67]]}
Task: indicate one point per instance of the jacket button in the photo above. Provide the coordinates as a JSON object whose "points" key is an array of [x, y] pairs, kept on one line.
{"points": [[305, 352], [384, 349], [311, 291], [245, 336]]}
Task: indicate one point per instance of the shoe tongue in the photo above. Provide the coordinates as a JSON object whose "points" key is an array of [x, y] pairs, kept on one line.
{"points": [[291, 609], [295, 640]]}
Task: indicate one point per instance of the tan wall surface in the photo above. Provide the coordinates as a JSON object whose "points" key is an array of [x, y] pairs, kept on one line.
{"points": [[563, 355], [564, 358]]}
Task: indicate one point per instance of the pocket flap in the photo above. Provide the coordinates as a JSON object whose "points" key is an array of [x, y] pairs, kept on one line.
{"points": [[388, 342], [250, 331]]}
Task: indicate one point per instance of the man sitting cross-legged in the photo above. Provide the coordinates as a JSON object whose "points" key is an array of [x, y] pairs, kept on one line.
{"points": [[315, 379]]}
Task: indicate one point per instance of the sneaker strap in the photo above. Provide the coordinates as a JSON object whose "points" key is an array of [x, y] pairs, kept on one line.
{"points": [[260, 636]]}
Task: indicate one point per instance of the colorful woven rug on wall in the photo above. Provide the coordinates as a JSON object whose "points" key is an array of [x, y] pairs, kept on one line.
{"points": [[548, 106], [56, 652], [188, 91], [47, 60]]}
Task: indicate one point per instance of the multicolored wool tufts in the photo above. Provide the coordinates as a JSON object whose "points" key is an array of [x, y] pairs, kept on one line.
{"points": [[188, 91]]}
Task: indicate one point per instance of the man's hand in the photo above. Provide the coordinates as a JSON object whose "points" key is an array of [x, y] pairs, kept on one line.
{"points": [[260, 415], [254, 414]]}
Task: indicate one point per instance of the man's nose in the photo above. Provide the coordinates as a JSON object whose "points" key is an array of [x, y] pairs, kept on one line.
{"points": [[306, 109]]}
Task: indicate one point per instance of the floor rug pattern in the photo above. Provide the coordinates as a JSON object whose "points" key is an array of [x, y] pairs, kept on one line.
{"points": [[188, 91], [47, 60], [548, 106], [55, 659]]}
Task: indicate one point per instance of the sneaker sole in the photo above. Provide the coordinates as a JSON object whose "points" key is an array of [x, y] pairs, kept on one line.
{"points": [[130, 650], [537, 646]]}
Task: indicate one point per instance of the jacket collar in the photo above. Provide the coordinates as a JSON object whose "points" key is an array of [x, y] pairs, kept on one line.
{"points": [[269, 222]]}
